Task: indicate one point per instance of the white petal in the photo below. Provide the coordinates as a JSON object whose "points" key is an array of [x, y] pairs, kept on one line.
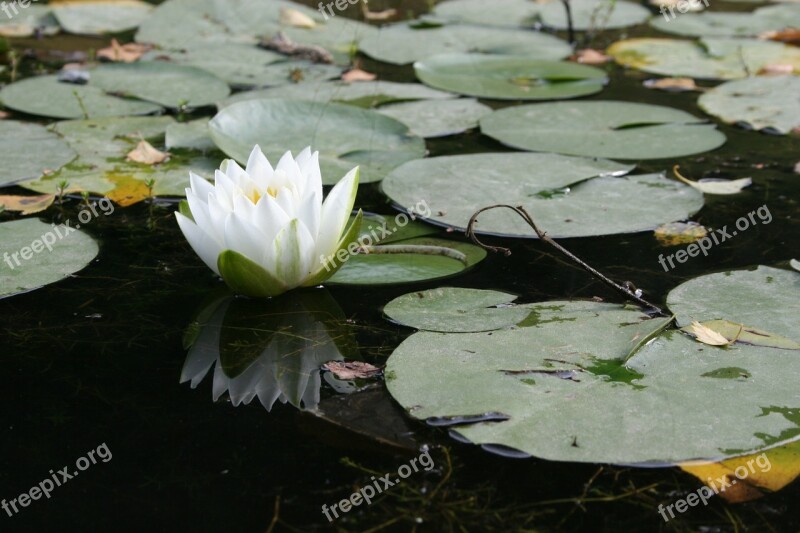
{"points": [[310, 213], [201, 214], [293, 252], [205, 246], [259, 168], [231, 168], [200, 186], [225, 189], [289, 167], [289, 201], [270, 218], [243, 237], [313, 176], [336, 212]]}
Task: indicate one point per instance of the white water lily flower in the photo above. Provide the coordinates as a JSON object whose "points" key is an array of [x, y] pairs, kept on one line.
{"points": [[265, 230]]}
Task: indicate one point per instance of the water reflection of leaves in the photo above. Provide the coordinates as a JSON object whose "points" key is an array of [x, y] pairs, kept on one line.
{"points": [[267, 349]]}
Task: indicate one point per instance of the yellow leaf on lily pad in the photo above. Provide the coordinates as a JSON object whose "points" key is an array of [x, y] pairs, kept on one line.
{"points": [[725, 332], [128, 190], [27, 205], [771, 470], [707, 335]]}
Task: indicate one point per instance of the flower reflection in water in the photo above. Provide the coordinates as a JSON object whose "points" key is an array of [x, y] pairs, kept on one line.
{"points": [[270, 349]]}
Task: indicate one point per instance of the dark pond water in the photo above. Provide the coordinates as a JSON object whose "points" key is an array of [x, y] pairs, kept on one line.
{"points": [[97, 359]]}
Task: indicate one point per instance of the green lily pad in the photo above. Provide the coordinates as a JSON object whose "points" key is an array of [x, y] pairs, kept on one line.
{"points": [[525, 13], [192, 135], [768, 102], [26, 22], [456, 310], [101, 167], [593, 14], [438, 118], [177, 24], [710, 58], [567, 196], [35, 254], [169, 85], [362, 93], [381, 229], [96, 17], [504, 13], [602, 383], [409, 261], [405, 43], [509, 77], [46, 96], [621, 130], [722, 24], [345, 136], [18, 140], [763, 298]]}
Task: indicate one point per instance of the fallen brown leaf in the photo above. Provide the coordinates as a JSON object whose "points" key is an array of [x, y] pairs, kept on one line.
{"points": [[672, 84], [296, 19], [357, 74], [589, 56], [776, 70], [377, 15], [145, 153], [676, 233], [352, 369], [788, 35], [125, 53]]}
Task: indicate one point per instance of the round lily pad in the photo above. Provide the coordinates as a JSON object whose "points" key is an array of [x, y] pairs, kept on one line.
{"points": [[35, 254], [362, 93], [566, 196], [345, 136], [722, 24], [100, 16], [621, 130], [404, 43], [177, 24], [169, 85], [409, 261], [525, 13], [48, 97], [593, 14], [456, 310], [602, 383], [101, 166], [763, 102], [18, 140], [509, 77], [438, 118], [710, 58]]}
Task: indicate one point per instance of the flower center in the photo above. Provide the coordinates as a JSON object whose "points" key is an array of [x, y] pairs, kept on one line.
{"points": [[255, 195]]}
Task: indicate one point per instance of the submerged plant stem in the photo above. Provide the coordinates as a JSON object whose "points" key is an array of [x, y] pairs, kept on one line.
{"points": [[626, 292]]}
